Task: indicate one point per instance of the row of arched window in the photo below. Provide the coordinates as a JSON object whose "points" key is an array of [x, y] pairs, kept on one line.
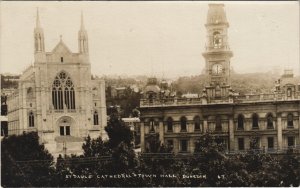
{"points": [[269, 117], [197, 124], [218, 121]]}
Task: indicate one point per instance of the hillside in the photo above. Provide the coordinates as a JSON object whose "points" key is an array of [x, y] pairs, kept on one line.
{"points": [[242, 83]]}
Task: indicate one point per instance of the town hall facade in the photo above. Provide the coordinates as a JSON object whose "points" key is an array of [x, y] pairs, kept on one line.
{"points": [[271, 119], [57, 97]]}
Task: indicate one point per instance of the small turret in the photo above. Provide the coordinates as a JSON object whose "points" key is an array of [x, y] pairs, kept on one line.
{"points": [[39, 45], [82, 39]]}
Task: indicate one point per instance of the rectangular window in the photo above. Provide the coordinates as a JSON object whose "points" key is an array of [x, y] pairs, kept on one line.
{"points": [[170, 143], [169, 126], [67, 130], [184, 145], [62, 131], [290, 120], [62, 59], [183, 127], [270, 142], [290, 141], [241, 143], [289, 92], [197, 126], [290, 124], [255, 143], [152, 129]]}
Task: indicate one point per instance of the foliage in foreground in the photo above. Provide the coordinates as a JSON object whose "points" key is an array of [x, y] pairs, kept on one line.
{"points": [[208, 166], [25, 162]]}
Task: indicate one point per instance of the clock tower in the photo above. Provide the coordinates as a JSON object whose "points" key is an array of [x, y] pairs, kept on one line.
{"points": [[217, 53]]}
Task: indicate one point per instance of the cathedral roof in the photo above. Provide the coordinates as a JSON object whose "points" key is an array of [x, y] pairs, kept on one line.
{"points": [[61, 47]]}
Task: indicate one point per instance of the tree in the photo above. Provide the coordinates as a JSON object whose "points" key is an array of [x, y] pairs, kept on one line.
{"points": [[115, 156], [290, 170], [25, 162], [160, 160], [209, 161], [95, 148], [117, 131]]}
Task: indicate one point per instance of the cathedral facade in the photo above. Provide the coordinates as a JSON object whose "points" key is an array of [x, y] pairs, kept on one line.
{"points": [[57, 96], [271, 119]]}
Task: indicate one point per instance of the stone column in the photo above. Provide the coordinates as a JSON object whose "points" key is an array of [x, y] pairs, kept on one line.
{"points": [[279, 131], [176, 146], [161, 132], [298, 143], [231, 133], [205, 127], [142, 136]]}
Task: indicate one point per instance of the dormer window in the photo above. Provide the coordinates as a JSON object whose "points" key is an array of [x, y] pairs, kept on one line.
{"points": [[61, 59]]}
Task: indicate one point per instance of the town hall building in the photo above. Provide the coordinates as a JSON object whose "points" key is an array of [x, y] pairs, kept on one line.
{"points": [[57, 97], [271, 119]]}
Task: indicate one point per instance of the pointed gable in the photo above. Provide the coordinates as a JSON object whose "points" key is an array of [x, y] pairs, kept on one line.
{"points": [[61, 54], [61, 48]]}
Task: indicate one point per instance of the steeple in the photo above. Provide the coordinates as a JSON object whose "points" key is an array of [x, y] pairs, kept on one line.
{"points": [[82, 24], [39, 45], [82, 38], [38, 25]]}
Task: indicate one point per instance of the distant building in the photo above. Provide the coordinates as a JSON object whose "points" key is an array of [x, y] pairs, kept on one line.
{"points": [[57, 97], [272, 119]]}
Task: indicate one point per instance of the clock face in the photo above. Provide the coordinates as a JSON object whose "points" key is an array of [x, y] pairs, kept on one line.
{"points": [[217, 69]]}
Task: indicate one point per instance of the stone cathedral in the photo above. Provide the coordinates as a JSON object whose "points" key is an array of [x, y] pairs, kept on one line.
{"points": [[57, 96]]}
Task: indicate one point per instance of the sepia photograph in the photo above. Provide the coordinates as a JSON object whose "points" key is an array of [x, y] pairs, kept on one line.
{"points": [[150, 93]]}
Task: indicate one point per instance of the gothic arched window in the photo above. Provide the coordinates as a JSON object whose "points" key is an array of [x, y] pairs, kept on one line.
{"points": [[30, 92], [240, 121], [254, 121], [31, 119], [63, 92], [96, 120]]}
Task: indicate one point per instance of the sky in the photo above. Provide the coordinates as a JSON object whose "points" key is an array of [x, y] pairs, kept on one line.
{"points": [[164, 39]]}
